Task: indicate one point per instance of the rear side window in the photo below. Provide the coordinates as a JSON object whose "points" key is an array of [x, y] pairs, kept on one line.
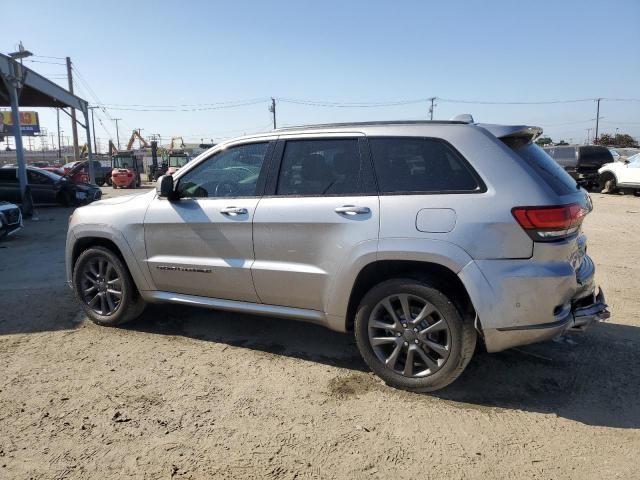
{"points": [[416, 165], [8, 175], [320, 167], [595, 154], [553, 174]]}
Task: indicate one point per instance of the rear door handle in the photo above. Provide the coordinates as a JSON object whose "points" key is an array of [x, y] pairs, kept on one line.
{"points": [[232, 211], [352, 210]]}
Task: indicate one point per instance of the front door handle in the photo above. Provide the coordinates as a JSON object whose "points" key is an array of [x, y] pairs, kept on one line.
{"points": [[352, 210], [232, 211]]}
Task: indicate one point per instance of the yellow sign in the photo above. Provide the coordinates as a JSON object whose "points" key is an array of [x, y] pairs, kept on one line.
{"points": [[29, 123]]}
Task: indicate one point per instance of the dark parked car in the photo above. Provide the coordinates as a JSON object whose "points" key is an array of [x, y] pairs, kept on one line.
{"points": [[47, 188], [581, 162]]}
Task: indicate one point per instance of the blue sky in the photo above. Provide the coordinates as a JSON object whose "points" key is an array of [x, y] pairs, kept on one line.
{"points": [[199, 52]]}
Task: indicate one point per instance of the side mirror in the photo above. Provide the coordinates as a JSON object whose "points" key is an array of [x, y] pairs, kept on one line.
{"points": [[627, 162], [164, 187]]}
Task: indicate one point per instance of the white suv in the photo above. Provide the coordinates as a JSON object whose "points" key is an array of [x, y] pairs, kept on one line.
{"points": [[419, 237], [621, 175]]}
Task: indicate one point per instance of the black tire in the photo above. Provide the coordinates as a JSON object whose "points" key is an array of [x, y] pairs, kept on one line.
{"points": [[461, 336], [109, 181], [130, 305], [100, 181], [608, 183], [114, 186]]}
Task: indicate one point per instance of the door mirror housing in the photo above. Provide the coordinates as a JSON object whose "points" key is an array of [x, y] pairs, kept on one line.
{"points": [[164, 187]]}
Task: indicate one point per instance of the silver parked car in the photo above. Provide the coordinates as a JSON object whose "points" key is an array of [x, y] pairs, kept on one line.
{"points": [[418, 237]]}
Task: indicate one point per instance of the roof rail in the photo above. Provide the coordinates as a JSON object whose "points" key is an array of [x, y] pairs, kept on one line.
{"points": [[370, 124]]}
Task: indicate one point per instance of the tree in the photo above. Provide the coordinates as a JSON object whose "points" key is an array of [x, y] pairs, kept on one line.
{"points": [[542, 141], [618, 140]]}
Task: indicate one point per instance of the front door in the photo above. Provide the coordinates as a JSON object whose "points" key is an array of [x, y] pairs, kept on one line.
{"points": [[631, 173], [43, 190], [201, 244], [322, 208]]}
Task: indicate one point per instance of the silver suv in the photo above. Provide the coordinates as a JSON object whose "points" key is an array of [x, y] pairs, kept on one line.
{"points": [[418, 237]]}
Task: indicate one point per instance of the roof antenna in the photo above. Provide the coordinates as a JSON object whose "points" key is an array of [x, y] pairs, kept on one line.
{"points": [[464, 117]]}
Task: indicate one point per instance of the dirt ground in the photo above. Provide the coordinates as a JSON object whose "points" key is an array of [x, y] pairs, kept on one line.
{"points": [[186, 393]]}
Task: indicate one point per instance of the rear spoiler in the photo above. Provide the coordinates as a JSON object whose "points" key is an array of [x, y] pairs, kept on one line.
{"points": [[520, 134]]}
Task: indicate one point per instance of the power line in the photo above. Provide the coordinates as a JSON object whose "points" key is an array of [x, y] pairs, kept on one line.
{"points": [[318, 103], [45, 56], [261, 99], [197, 109], [545, 102], [41, 61]]}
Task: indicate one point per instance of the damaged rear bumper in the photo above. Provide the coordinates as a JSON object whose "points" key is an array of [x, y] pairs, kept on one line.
{"points": [[579, 315]]}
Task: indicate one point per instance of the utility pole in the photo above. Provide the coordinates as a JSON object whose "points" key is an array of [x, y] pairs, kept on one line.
{"points": [[595, 139], [589, 135], [74, 125], [93, 125], [59, 146], [432, 99], [272, 109], [117, 131]]}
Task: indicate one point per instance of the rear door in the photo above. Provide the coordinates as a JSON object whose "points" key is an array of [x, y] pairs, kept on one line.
{"points": [[322, 206], [202, 244]]}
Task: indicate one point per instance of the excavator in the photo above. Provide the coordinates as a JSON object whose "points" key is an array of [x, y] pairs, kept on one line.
{"points": [[127, 164]]}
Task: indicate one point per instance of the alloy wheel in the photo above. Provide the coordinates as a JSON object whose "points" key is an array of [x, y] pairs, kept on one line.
{"points": [[409, 335], [101, 286]]}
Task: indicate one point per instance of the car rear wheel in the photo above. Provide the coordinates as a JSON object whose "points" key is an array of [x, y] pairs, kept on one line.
{"points": [[100, 181], [105, 288], [413, 336]]}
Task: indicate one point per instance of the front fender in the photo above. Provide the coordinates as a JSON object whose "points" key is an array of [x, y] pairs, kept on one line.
{"points": [[103, 231]]}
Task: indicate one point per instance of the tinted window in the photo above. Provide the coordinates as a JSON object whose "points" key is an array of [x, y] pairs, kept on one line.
{"points": [[553, 174], [420, 165], [320, 167], [36, 178], [8, 175], [595, 155], [232, 172]]}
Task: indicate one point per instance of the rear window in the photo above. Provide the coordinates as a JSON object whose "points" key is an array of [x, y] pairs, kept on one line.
{"points": [[421, 165], [595, 154], [553, 174]]}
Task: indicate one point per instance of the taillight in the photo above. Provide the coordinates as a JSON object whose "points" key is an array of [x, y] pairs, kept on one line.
{"points": [[547, 224]]}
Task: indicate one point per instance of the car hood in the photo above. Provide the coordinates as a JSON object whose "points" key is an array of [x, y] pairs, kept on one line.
{"points": [[610, 166], [7, 205], [119, 200]]}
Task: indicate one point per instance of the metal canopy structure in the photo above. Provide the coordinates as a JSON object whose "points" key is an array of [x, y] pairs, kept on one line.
{"points": [[22, 87]]}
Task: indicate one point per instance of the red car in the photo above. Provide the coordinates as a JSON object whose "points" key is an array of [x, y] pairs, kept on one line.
{"points": [[75, 174]]}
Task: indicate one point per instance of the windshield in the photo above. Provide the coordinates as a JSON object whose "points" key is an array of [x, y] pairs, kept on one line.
{"points": [[122, 162], [177, 161], [634, 160]]}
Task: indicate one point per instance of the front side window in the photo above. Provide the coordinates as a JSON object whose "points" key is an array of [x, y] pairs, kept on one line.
{"points": [[420, 165], [36, 178], [232, 172], [320, 167]]}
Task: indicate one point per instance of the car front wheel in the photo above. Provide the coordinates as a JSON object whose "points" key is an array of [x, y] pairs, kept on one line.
{"points": [[105, 288], [413, 336]]}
